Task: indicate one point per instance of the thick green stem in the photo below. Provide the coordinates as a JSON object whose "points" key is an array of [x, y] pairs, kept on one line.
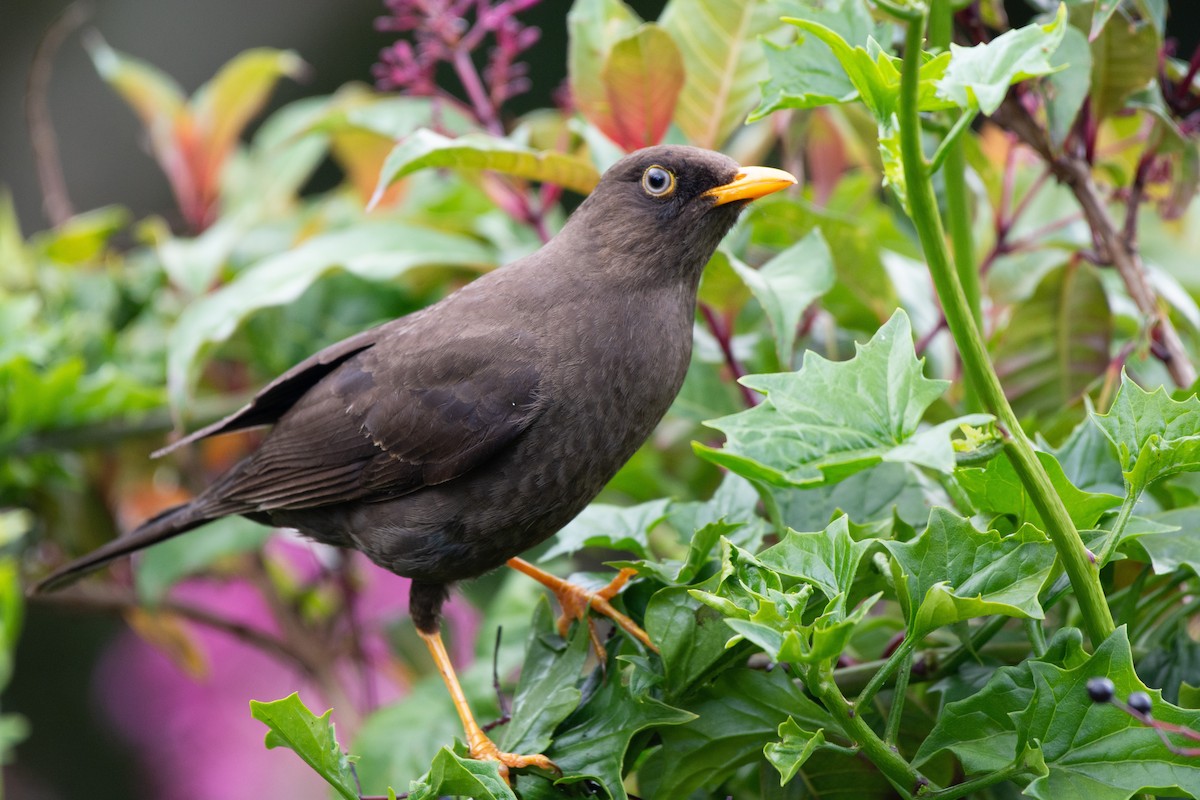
{"points": [[907, 780], [1085, 578], [958, 218]]}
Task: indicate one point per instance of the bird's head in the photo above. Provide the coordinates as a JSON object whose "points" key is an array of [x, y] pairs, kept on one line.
{"points": [[663, 210]]}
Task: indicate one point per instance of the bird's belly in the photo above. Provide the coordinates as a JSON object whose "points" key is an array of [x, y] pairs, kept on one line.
{"points": [[475, 522]]}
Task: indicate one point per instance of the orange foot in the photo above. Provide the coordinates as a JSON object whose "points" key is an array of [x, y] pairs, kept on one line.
{"points": [[576, 600], [483, 749]]}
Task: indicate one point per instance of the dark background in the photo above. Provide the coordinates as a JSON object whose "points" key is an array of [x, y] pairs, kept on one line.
{"points": [[104, 162]]}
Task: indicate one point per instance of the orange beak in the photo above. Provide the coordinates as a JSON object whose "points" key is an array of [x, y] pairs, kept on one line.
{"points": [[751, 183]]}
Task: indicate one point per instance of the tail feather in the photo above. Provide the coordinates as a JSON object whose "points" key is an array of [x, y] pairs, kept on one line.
{"points": [[172, 522]]}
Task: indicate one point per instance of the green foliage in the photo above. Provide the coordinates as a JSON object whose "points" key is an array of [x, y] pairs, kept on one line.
{"points": [[290, 724], [861, 607], [832, 419]]}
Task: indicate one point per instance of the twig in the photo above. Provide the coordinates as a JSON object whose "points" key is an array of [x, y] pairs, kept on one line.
{"points": [[1075, 173], [505, 707], [108, 600], [724, 336], [56, 200], [316, 652]]}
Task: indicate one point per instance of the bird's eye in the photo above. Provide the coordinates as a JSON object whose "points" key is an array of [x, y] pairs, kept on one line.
{"points": [[657, 181]]}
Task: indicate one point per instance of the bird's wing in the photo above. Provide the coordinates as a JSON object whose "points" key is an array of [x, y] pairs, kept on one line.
{"points": [[274, 400], [389, 420]]}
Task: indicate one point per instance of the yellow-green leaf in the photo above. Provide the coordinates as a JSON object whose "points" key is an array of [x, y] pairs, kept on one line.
{"points": [[724, 61], [424, 149], [222, 106]]}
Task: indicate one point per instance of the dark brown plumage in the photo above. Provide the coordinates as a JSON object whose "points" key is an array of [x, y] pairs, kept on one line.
{"points": [[444, 443]]}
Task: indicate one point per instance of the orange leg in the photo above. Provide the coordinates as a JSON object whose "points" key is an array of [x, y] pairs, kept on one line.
{"points": [[482, 748], [575, 601]]}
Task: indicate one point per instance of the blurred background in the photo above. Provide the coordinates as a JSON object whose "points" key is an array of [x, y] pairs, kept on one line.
{"points": [[110, 716]]}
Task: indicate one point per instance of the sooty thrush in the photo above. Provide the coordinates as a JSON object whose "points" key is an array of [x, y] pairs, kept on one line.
{"points": [[444, 443]]}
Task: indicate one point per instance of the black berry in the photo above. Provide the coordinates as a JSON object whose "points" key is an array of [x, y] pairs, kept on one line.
{"points": [[1140, 702], [1101, 690]]}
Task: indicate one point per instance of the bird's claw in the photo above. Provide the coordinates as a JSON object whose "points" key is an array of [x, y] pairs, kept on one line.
{"points": [[484, 749], [576, 600]]}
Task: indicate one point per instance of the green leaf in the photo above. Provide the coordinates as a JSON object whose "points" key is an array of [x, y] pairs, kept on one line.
{"points": [[1067, 87], [803, 75], [868, 74], [595, 26], [827, 559], [547, 692], [593, 741], [1088, 459], [14, 729], [1124, 60], [643, 76], [1155, 436], [875, 74], [1057, 342], [978, 77], [691, 637], [996, 489], [737, 714], [1170, 550], [293, 726], [425, 149], [223, 106], [452, 774], [1092, 750], [400, 740], [830, 420], [955, 572], [12, 614], [787, 284], [609, 526], [723, 61], [377, 251], [164, 565], [794, 747]]}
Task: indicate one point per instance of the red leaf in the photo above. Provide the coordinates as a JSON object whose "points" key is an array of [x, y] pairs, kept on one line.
{"points": [[642, 78]]}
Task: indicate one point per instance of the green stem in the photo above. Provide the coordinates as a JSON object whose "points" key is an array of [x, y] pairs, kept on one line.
{"points": [[1037, 636], [1085, 578], [902, 653], [967, 788], [1114, 536], [958, 216], [898, 695], [907, 780]]}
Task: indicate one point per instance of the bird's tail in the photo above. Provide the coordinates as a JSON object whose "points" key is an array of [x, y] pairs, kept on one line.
{"points": [[172, 522]]}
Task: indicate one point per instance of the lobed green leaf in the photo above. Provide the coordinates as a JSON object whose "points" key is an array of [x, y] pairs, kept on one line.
{"points": [[830, 420], [1091, 750], [1155, 436], [955, 572], [290, 724], [978, 77]]}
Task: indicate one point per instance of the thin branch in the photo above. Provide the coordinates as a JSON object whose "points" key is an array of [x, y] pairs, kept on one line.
{"points": [[110, 600], [724, 336], [1075, 172], [56, 200]]}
